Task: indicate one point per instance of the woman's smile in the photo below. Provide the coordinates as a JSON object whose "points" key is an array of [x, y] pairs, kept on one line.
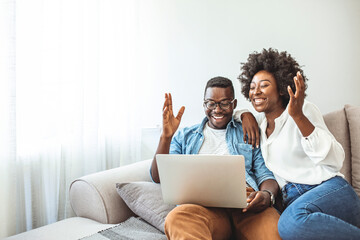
{"points": [[264, 94]]}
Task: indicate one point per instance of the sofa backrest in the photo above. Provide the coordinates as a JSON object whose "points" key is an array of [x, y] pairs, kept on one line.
{"points": [[344, 124], [339, 127]]}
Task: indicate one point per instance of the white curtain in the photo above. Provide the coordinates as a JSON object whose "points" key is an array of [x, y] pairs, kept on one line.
{"points": [[71, 94], [7, 119]]}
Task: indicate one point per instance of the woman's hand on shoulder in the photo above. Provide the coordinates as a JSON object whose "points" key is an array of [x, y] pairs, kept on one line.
{"points": [[250, 129]]}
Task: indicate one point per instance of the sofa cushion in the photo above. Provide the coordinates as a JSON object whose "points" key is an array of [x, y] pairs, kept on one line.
{"points": [[70, 228], [134, 228], [145, 200], [353, 116], [338, 125]]}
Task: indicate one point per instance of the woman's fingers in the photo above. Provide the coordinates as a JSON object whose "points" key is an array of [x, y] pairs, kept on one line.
{"points": [[291, 93], [301, 84], [254, 137], [251, 138], [257, 135], [297, 87], [245, 136], [301, 80], [250, 129]]}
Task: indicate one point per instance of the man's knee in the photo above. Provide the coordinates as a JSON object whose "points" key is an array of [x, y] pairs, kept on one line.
{"points": [[182, 214], [188, 221], [261, 225]]}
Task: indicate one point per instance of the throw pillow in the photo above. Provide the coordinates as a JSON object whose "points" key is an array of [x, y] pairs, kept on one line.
{"points": [[145, 200], [353, 116]]}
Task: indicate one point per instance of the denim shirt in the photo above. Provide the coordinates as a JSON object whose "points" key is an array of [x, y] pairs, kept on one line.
{"points": [[189, 140]]}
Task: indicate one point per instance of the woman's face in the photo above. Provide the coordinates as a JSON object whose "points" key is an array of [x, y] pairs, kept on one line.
{"points": [[264, 94]]}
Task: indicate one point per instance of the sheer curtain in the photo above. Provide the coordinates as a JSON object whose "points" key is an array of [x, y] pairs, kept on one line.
{"points": [[7, 119], [71, 99]]}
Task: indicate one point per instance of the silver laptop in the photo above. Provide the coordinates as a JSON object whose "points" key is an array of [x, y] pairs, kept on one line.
{"points": [[207, 180]]}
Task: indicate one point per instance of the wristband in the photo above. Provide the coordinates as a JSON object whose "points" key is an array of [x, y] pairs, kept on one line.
{"points": [[272, 197]]}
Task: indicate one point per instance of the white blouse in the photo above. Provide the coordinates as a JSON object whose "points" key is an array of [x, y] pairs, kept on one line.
{"points": [[294, 158]]}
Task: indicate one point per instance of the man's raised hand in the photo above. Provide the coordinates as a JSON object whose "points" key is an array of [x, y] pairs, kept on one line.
{"points": [[170, 122]]}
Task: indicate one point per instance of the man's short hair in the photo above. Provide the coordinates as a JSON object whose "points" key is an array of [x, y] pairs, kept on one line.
{"points": [[220, 82]]}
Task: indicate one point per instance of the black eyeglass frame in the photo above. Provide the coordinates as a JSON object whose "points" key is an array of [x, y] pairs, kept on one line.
{"points": [[219, 104]]}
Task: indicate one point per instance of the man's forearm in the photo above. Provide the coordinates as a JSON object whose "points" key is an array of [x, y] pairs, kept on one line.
{"points": [[163, 148], [271, 188], [270, 185]]}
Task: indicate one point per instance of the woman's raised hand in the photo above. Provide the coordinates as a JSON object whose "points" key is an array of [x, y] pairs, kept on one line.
{"points": [[170, 122], [297, 100]]}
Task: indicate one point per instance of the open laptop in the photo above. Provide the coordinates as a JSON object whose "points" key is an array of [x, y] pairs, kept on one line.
{"points": [[207, 180]]}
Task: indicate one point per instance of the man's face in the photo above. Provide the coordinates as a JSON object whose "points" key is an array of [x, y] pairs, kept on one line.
{"points": [[218, 117]]}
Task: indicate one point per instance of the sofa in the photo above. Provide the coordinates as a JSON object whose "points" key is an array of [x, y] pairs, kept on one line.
{"points": [[97, 204]]}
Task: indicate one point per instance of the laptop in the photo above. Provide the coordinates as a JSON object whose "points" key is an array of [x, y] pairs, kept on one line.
{"points": [[207, 180]]}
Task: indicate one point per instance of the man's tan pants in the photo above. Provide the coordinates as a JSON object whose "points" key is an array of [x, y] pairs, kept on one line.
{"points": [[190, 221]]}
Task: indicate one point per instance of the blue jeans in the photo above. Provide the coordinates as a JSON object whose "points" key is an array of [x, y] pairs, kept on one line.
{"points": [[330, 210]]}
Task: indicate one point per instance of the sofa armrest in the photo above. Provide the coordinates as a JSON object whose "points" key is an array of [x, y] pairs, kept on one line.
{"points": [[95, 197]]}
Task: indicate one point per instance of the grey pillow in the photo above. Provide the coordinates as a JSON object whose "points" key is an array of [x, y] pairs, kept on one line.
{"points": [[145, 200]]}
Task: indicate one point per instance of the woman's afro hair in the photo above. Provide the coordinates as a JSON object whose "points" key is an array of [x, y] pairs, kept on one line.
{"points": [[280, 64]]}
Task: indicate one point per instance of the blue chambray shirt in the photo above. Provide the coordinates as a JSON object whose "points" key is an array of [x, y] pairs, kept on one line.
{"points": [[189, 140]]}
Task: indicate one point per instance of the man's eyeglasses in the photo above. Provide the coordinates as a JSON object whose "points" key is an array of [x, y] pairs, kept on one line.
{"points": [[224, 105]]}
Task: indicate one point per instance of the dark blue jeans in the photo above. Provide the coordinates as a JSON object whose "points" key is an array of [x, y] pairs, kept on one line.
{"points": [[330, 210]]}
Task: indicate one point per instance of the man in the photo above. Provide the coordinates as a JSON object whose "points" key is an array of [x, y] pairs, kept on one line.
{"points": [[219, 134]]}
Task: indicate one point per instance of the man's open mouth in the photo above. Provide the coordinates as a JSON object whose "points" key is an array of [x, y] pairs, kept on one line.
{"points": [[218, 117]]}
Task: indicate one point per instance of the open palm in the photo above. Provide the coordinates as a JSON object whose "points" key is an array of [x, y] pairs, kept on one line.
{"points": [[297, 100], [170, 122]]}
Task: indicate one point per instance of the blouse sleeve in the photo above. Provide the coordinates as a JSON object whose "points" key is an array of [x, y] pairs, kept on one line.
{"points": [[321, 146], [237, 114]]}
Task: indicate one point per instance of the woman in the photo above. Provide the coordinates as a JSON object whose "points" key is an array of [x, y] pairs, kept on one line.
{"points": [[303, 155]]}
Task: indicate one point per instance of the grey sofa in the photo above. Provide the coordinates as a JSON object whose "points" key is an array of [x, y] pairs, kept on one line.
{"points": [[98, 206]]}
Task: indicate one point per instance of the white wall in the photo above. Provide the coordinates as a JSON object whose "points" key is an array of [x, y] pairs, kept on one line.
{"points": [[184, 43]]}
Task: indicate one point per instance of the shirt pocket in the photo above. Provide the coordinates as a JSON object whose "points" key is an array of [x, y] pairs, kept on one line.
{"points": [[245, 150]]}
